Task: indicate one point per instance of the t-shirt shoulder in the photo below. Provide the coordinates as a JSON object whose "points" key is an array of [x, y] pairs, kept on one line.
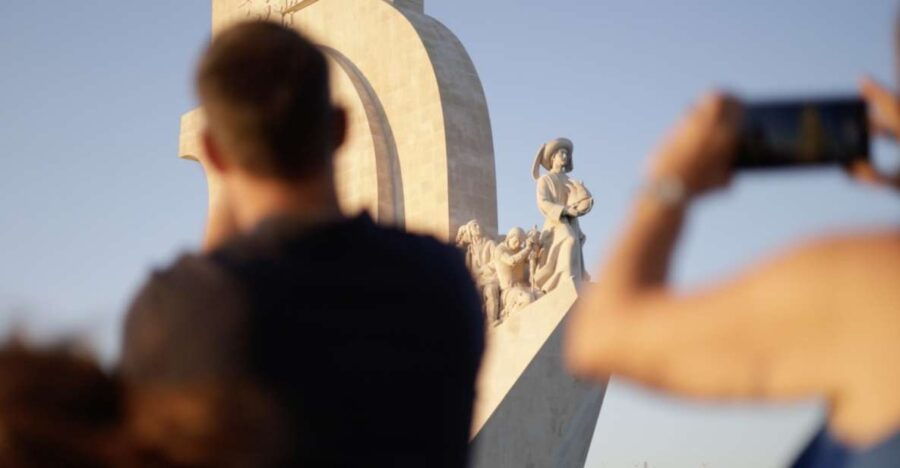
{"points": [[181, 314], [425, 247]]}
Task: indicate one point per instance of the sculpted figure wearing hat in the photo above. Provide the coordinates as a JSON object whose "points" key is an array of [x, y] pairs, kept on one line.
{"points": [[562, 201]]}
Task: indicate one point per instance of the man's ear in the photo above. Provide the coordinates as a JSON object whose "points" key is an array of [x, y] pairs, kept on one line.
{"points": [[338, 127], [214, 157]]}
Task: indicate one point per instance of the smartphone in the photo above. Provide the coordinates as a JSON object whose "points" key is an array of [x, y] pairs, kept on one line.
{"points": [[803, 133]]}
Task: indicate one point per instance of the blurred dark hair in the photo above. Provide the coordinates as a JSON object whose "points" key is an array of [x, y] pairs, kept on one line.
{"points": [[267, 99], [56, 410], [59, 409]]}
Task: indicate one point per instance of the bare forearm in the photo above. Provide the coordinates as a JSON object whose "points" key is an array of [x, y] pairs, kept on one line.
{"points": [[640, 259], [636, 268]]}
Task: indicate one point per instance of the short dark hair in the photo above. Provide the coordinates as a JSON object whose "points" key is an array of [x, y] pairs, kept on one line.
{"points": [[266, 93]]}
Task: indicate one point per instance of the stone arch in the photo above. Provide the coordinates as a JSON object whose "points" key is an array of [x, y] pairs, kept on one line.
{"points": [[386, 205]]}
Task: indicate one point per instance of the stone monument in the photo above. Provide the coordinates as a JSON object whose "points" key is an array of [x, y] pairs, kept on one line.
{"points": [[529, 411], [419, 155]]}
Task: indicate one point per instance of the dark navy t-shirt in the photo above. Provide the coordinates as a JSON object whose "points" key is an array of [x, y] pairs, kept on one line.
{"points": [[370, 337], [827, 452]]}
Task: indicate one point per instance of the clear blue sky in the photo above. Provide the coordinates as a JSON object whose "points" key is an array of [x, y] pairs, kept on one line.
{"points": [[92, 195]]}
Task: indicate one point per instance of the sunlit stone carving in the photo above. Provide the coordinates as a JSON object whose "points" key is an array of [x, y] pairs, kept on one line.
{"points": [[479, 251], [511, 261], [561, 201]]}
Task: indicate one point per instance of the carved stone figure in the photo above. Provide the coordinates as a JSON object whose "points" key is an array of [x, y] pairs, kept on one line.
{"points": [[479, 252], [562, 201], [534, 237], [511, 263]]}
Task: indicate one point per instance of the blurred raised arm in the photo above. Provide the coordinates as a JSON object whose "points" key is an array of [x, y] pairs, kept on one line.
{"points": [[819, 319]]}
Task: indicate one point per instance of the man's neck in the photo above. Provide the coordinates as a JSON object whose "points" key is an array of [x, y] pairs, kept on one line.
{"points": [[313, 201]]}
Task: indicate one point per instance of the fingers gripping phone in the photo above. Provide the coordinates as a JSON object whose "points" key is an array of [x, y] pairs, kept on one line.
{"points": [[803, 133]]}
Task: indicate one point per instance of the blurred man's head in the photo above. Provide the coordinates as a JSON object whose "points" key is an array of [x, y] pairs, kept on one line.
{"points": [[265, 91]]}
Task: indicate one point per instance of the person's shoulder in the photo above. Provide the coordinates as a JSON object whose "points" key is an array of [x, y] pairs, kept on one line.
{"points": [[846, 258], [872, 245], [425, 256], [189, 282], [420, 245], [186, 319], [189, 271]]}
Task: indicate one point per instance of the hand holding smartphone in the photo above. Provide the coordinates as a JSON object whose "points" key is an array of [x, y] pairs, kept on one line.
{"points": [[803, 133]]}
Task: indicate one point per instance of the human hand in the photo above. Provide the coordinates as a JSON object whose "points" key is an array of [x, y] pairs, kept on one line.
{"points": [[884, 119], [700, 149], [884, 108], [863, 171], [571, 212]]}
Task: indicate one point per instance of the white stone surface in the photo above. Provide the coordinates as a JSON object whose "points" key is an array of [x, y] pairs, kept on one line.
{"points": [[192, 123], [512, 346], [412, 5], [530, 411]]}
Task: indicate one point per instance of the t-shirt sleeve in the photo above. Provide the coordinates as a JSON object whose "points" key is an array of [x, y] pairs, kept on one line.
{"points": [[186, 323]]}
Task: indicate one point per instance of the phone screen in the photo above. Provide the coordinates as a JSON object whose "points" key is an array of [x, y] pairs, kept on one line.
{"points": [[798, 133]]}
